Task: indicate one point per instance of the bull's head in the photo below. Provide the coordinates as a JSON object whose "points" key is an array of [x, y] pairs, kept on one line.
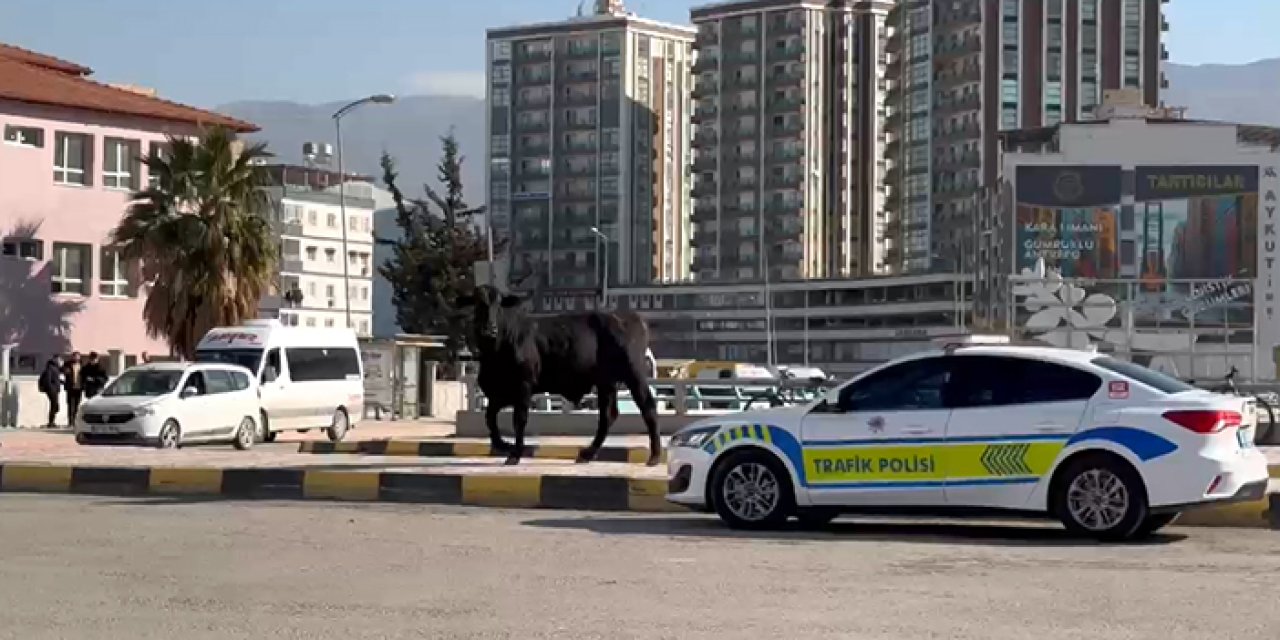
{"points": [[488, 304]]}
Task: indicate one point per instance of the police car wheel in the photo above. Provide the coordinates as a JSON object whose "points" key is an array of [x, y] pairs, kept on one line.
{"points": [[1102, 497], [752, 490]]}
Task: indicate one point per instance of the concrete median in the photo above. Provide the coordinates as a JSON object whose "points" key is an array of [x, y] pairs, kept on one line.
{"points": [[456, 448], [525, 490]]}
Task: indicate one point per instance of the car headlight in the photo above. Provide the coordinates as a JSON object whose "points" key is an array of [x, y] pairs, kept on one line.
{"points": [[694, 438], [143, 411]]}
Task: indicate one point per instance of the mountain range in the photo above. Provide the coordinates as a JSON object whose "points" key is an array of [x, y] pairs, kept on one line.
{"points": [[410, 128]]}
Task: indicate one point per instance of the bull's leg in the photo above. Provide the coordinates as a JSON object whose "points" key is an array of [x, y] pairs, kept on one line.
{"points": [[519, 418], [607, 394], [649, 411], [496, 443]]}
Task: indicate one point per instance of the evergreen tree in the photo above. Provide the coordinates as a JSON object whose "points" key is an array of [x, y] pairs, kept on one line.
{"points": [[432, 263]]}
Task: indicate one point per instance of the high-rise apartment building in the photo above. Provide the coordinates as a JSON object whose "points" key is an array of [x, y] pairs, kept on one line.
{"points": [[789, 136], [588, 141], [962, 70]]}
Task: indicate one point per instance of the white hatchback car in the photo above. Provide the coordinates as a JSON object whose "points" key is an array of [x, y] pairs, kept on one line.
{"points": [[1112, 449], [171, 404]]}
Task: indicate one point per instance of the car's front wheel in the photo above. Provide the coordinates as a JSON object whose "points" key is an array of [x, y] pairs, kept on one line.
{"points": [[170, 435], [1101, 496], [338, 428], [752, 490]]}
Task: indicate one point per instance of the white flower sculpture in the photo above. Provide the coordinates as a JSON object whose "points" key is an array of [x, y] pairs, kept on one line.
{"points": [[1053, 302]]}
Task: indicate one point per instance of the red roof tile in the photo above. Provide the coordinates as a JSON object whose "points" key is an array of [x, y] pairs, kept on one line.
{"points": [[35, 79], [42, 60]]}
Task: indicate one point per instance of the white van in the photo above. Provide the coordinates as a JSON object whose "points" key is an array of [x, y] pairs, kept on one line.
{"points": [[309, 378]]}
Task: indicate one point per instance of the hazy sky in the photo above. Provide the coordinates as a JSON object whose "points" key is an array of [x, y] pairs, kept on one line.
{"points": [[207, 52]]}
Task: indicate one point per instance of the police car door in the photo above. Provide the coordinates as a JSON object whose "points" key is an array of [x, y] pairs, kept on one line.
{"points": [[878, 443], [1010, 419]]}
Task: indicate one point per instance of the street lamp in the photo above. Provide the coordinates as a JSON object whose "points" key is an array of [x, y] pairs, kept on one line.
{"points": [[381, 98], [601, 238]]}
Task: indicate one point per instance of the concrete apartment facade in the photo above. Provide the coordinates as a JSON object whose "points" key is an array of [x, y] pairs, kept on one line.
{"points": [[960, 72], [308, 220], [69, 158], [588, 127], [789, 134]]}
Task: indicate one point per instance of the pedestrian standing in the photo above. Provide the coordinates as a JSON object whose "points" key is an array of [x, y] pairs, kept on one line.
{"points": [[93, 377], [71, 382], [50, 384]]}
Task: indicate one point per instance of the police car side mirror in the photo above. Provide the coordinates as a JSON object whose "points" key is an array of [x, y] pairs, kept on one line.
{"points": [[188, 392]]}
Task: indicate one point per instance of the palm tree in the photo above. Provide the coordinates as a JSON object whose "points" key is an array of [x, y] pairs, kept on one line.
{"points": [[199, 237]]}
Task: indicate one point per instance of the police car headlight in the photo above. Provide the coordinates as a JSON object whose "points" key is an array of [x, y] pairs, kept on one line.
{"points": [[693, 438]]}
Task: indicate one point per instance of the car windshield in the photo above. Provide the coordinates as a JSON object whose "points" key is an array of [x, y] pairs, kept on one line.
{"points": [[144, 383], [247, 358], [1150, 377]]}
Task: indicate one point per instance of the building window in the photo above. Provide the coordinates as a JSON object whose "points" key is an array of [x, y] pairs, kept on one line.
{"points": [[333, 221], [330, 255], [22, 248], [364, 327], [311, 322], [24, 136], [120, 163], [157, 150], [311, 253], [71, 158], [328, 322], [70, 268], [114, 282]]}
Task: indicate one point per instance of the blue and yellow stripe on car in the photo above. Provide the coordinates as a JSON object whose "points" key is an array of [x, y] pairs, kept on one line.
{"points": [[923, 462]]}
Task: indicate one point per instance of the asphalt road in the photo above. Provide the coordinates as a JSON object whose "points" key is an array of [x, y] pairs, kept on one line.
{"points": [[81, 567]]}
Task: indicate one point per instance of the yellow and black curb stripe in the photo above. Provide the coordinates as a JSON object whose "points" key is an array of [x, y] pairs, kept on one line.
{"points": [[593, 493], [447, 449]]}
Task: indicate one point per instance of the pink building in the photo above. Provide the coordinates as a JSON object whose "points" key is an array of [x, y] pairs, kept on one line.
{"points": [[69, 157]]}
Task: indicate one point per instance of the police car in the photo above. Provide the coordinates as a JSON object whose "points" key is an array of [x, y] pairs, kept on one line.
{"points": [[1112, 449]]}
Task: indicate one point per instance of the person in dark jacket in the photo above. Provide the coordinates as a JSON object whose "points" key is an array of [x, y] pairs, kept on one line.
{"points": [[93, 377], [71, 382], [50, 384]]}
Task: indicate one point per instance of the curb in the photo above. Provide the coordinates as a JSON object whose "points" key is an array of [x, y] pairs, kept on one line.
{"points": [[447, 449], [592, 493], [586, 493]]}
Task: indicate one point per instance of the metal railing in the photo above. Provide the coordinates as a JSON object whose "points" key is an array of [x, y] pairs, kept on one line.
{"points": [[682, 396]]}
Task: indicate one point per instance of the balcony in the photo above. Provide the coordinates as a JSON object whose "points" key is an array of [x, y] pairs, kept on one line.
{"points": [[787, 156], [706, 63], [578, 170], [965, 17], [703, 88], [969, 74], [581, 125], [948, 50], [581, 76], [743, 57], [705, 213], [743, 80], [535, 78], [708, 35], [534, 101], [787, 78], [786, 53], [970, 160], [705, 139], [533, 55], [582, 52], [790, 181], [786, 104], [963, 132], [786, 129], [782, 207], [532, 126], [705, 188], [945, 106], [786, 25], [582, 99], [290, 228], [704, 113], [291, 264], [705, 162]]}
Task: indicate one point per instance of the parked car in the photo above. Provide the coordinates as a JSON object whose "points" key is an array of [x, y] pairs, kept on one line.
{"points": [[1111, 449], [169, 404]]}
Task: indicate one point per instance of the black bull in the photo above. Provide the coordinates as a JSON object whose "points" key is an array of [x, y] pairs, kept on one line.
{"points": [[567, 355]]}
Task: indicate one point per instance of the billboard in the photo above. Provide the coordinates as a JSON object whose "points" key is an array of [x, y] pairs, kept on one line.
{"points": [[1067, 215]]}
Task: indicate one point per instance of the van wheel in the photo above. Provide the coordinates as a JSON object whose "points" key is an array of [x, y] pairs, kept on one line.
{"points": [[170, 435], [267, 434], [338, 428], [246, 435]]}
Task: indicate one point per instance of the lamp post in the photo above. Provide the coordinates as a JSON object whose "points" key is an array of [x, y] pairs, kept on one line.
{"points": [[381, 98], [604, 283]]}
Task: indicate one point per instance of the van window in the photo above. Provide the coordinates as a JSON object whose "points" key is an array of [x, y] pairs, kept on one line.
{"points": [[271, 371], [247, 358], [239, 381], [312, 364]]}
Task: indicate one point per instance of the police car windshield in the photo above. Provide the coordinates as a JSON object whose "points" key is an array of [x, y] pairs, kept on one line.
{"points": [[144, 383], [247, 358], [1150, 377]]}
